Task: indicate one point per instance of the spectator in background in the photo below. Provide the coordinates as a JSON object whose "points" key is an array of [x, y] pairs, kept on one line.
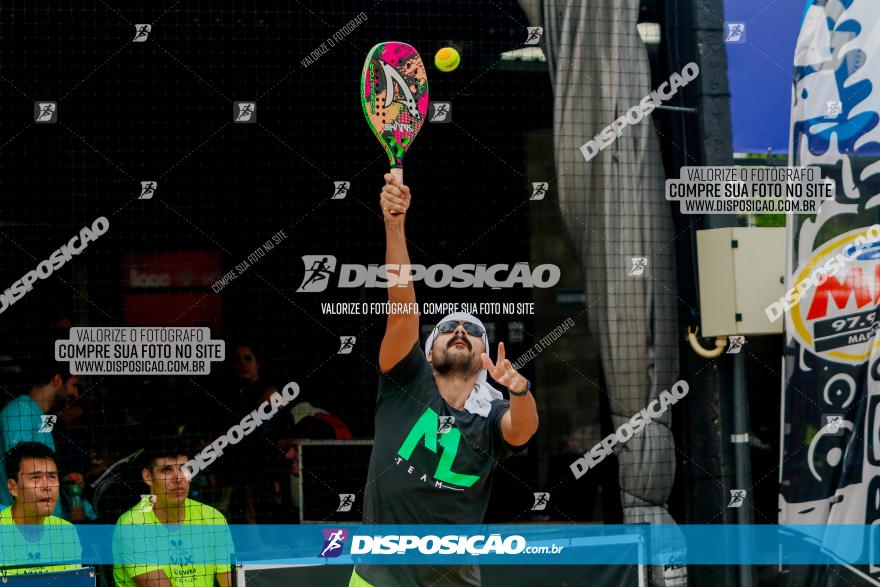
{"points": [[27, 418], [33, 483], [244, 470], [168, 504]]}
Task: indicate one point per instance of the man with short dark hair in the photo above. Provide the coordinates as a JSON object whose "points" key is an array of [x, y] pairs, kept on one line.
{"points": [[169, 505], [26, 419], [25, 534]]}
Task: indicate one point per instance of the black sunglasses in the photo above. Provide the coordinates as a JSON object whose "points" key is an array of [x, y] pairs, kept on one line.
{"points": [[451, 325]]}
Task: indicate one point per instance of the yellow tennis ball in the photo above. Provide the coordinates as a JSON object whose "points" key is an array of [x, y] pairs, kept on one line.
{"points": [[447, 59]]}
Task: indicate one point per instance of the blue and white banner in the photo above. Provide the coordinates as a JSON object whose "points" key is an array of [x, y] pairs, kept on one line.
{"points": [[528, 544], [830, 460]]}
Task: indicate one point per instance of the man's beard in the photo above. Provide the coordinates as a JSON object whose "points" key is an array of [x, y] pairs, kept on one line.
{"points": [[457, 363]]}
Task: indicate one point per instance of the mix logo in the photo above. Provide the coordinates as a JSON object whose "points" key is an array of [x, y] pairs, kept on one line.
{"points": [[47, 423], [244, 112], [141, 32], [441, 112], [736, 32], [346, 345], [533, 35], [46, 112], [539, 190], [737, 498], [334, 541], [319, 269], [148, 188], [145, 504], [346, 501], [834, 307], [446, 424], [541, 501], [340, 190], [735, 344]]}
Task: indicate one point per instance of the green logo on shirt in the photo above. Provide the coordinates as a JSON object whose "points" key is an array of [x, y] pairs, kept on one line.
{"points": [[425, 431]]}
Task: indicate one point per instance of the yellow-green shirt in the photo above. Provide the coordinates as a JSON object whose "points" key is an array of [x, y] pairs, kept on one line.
{"points": [[54, 545], [179, 547]]}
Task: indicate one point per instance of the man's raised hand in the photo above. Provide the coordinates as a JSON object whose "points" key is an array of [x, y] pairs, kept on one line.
{"points": [[503, 372], [394, 199]]}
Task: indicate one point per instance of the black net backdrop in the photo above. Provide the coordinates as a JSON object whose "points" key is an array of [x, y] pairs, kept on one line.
{"points": [[162, 110]]}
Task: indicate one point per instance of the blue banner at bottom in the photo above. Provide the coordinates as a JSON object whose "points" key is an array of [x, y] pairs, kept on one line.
{"points": [[433, 545]]}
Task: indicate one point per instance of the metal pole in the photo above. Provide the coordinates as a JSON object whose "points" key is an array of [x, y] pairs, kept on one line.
{"points": [[742, 459]]}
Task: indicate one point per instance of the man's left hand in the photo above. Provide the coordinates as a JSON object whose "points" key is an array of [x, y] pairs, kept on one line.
{"points": [[503, 372]]}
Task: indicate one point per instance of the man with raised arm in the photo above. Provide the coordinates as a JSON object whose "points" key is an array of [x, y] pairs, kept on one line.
{"points": [[440, 427]]}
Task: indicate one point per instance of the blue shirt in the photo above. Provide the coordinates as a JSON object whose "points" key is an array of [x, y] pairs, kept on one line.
{"points": [[20, 421]]}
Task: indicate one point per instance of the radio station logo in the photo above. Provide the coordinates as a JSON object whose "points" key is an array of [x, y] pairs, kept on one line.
{"points": [[838, 318]]}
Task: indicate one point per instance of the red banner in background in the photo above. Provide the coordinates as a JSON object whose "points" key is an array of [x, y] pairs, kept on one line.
{"points": [[172, 289]]}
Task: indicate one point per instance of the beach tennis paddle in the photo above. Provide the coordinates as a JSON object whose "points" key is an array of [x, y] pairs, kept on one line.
{"points": [[394, 95]]}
